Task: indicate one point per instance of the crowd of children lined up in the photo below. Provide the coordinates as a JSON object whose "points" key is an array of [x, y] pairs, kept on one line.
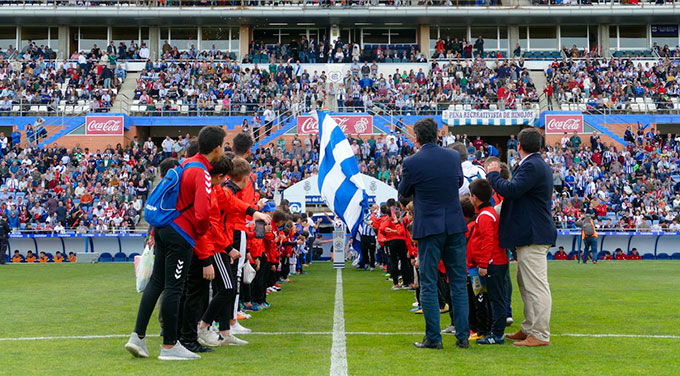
{"points": [[223, 253], [489, 284]]}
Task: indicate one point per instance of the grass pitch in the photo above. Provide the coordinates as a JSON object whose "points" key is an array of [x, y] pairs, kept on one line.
{"points": [[640, 299]]}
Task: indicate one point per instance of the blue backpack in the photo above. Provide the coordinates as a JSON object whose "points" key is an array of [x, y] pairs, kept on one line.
{"points": [[161, 207]]}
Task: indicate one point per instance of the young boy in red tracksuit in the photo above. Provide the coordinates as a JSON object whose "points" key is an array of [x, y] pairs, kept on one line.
{"points": [[395, 237], [258, 253], [490, 258], [173, 248], [271, 247], [213, 256], [479, 315], [377, 219], [240, 180]]}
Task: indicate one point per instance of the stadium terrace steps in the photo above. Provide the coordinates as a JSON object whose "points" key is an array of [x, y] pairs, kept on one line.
{"points": [[290, 123], [121, 103], [540, 81], [611, 129], [70, 124]]}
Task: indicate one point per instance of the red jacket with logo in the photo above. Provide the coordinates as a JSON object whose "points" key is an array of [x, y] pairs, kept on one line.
{"points": [[398, 227], [195, 188], [218, 240], [246, 194], [483, 245]]}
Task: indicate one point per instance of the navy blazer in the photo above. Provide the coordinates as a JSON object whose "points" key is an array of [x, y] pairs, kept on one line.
{"points": [[526, 215], [432, 176]]}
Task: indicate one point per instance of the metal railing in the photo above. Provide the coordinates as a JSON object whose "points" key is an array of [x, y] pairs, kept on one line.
{"points": [[639, 105], [325, 4], [594, 4]]}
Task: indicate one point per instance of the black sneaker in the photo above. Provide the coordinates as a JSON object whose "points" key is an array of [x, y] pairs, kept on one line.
{"points": [[196, 347], [491, 340], [463, 344]]}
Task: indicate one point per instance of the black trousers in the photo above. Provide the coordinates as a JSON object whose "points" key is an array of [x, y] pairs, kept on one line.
{"points": [[367, 251], [480, 311], [285, 267], [224, 320], [196, 296], [268, 128], [256, 134], [258, 288], [3, 249], [497, 294], [223, 289], [398, 254], [171, 266]]}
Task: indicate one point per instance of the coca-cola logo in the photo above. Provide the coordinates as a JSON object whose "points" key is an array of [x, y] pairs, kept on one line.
{"points": [[350, 124], [104, 125], [564, 123]]}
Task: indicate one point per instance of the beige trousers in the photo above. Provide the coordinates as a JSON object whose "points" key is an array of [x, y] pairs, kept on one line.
{"points": [[532, 278]]}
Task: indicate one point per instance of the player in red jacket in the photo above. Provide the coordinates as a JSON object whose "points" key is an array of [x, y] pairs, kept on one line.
{"points": [[377, 218], [173, 248], [490, 258], [213, 256], [561, 254], [395, 238]]}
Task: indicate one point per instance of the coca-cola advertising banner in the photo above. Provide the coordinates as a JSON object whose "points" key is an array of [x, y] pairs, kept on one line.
{"points": [[350, 124], [104, 126], [559, 124]]}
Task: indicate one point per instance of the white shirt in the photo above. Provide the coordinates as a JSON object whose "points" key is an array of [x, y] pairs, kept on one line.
{"points": [[471, 172], [144, 53], [522, 161]]}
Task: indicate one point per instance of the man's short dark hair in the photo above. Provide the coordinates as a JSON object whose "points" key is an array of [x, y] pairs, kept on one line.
{"points": [[223, 166], [210, 138], [425, 130], [242, 143], [192, 149], [166, 165], [468, 208], [530, 139], [481, 189], [461, 149]]}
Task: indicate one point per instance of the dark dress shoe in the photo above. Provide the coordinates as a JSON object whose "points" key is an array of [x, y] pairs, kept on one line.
{"points": [[427, 344], [196, 347], [464, 344]]}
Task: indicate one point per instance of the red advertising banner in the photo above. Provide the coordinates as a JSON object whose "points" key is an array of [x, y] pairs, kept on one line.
{"points": [[104, 126], [350, 124], [558, 124]]}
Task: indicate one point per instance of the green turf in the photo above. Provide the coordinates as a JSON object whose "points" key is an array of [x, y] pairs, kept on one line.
{"points": [[608, 298]]}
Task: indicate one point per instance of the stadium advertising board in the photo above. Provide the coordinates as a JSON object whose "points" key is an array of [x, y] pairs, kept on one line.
{"points": [[489, 117], [350, 124], [104, 126], [558, 124]]}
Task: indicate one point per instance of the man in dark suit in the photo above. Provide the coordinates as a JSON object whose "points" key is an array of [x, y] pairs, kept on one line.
{"points": [[432, 176], [526, 223]]}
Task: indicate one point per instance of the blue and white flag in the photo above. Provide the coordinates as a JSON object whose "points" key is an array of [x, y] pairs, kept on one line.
{"points": [[339, 181]]}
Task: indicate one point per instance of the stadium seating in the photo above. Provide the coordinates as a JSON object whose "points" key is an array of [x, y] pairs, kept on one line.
{"points": [[105, 257], [119, 257]]}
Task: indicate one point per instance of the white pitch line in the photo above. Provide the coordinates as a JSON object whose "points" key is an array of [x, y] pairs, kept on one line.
{"points": [[339, 347], [104, 336]]}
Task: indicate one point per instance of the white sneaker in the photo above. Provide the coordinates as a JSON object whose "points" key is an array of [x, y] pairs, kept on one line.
{"points": [[449, 330], [239, 329], [137, 346], [245, 314], [415, 304], [177, 352], [232, 340], [207, 337]]}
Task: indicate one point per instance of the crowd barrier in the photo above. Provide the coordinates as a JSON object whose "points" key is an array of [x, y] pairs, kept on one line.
{"points": [[650, 245], [109, 246], [124, 246]]}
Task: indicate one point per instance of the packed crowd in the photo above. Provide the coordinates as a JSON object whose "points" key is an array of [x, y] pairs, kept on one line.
{"points": [[55, 190], [612, 83], [91, 80], [254, 3], [632, 188], [325, 51]]}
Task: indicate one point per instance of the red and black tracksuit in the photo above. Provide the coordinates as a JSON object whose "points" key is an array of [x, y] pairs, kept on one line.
{"points": [[258, 252], [396, 241], [212, 249], [248, 195], [484, 251], [173, 250]]}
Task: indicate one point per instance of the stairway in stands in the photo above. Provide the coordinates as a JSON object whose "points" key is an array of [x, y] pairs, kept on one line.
{"points": [[540, 81], [121, 103], [612, 126]]}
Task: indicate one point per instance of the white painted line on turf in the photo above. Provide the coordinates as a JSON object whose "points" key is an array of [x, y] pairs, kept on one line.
{"points": [[584, 335], [339, 347]]}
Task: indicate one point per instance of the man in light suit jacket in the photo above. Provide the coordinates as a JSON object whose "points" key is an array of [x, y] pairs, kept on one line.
{"points": [[432, 176], [526, 223]]}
